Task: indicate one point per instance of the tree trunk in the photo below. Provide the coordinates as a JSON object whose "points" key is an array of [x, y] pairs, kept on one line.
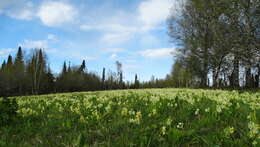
{"points": [[248, 77], [235, 77], [205, 59], [257, 84]]}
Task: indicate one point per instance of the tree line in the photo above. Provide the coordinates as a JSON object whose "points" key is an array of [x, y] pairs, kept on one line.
{"points": [[32, 75], [219, 44]]}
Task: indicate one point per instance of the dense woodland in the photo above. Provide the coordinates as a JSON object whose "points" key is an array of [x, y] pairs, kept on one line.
{"points": [[219, 47]]}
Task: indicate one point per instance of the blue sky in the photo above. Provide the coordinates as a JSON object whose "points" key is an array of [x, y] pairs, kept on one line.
{"points": [[102, 32]]}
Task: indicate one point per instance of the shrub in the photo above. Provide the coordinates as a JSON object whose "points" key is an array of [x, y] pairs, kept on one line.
{"points": [[8, 108]]}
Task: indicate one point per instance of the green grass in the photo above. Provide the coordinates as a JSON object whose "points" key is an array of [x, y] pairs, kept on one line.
{"points": [[151, 117]]}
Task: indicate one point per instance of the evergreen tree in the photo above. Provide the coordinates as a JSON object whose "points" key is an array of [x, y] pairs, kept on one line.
{"points": [[3, 67], [19, 70], [2, 79], [103, 78], [9, 64], [82, 67], [136, 83], [64, 69], [50, 84], [9, 76], [61, 80]]}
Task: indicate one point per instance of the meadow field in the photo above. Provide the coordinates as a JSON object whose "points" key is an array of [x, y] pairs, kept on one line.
{"points": [[147, 117]]}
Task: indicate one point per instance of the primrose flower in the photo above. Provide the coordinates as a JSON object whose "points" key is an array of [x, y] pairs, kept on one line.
{"points": [[168, 122], [254, 142], [207, 110], [137, 119], [138, 115], [229, 130], [163, 130], [238, 106], [180, 125], [131, 112], [124, 111], [95, 114], [154, 111], [131, 120], [197, 111], [100, 105], [254, 129], [219, 109], [27, 112], [108, 108], [82, 119]]}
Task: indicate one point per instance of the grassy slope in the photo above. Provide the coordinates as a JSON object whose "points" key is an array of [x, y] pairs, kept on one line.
{"points": [[151, 117]]}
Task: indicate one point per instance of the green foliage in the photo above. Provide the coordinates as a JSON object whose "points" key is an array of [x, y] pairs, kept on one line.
{"points": [[219, 39], [8, 111]]}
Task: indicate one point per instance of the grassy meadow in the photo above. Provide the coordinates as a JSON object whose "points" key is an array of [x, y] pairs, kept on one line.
{"points": [[150, 117]]}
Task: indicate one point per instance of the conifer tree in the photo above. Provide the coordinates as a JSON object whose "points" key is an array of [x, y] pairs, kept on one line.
{"points": [[136, 83], [19, 70], [103, 78]]}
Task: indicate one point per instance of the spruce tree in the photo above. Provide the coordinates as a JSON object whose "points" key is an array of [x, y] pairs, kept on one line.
{"points": [[9, 76], [82, 67], [19, 70], [103, 78]]}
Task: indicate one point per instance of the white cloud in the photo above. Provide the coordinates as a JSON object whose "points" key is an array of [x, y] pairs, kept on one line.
{"points": [[130, 61], [5, 52], [149, 39], [89, 58], [113, 56], [130, 67], [157, 53], [51, 37], [154, 12], [17, 9], [116, 50], [30, 44], [22, 14], [109, 28], [116, 38], [55, 13], [113, 33]]}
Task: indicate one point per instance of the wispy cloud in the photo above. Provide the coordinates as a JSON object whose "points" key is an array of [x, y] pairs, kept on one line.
{"points": [[89, 58], [113, 56], [51, 37], [116, 38], [130, 67], [157, 53], [21, 9], [30, 44], [116, 50], [108, 27], [5, 52]]}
